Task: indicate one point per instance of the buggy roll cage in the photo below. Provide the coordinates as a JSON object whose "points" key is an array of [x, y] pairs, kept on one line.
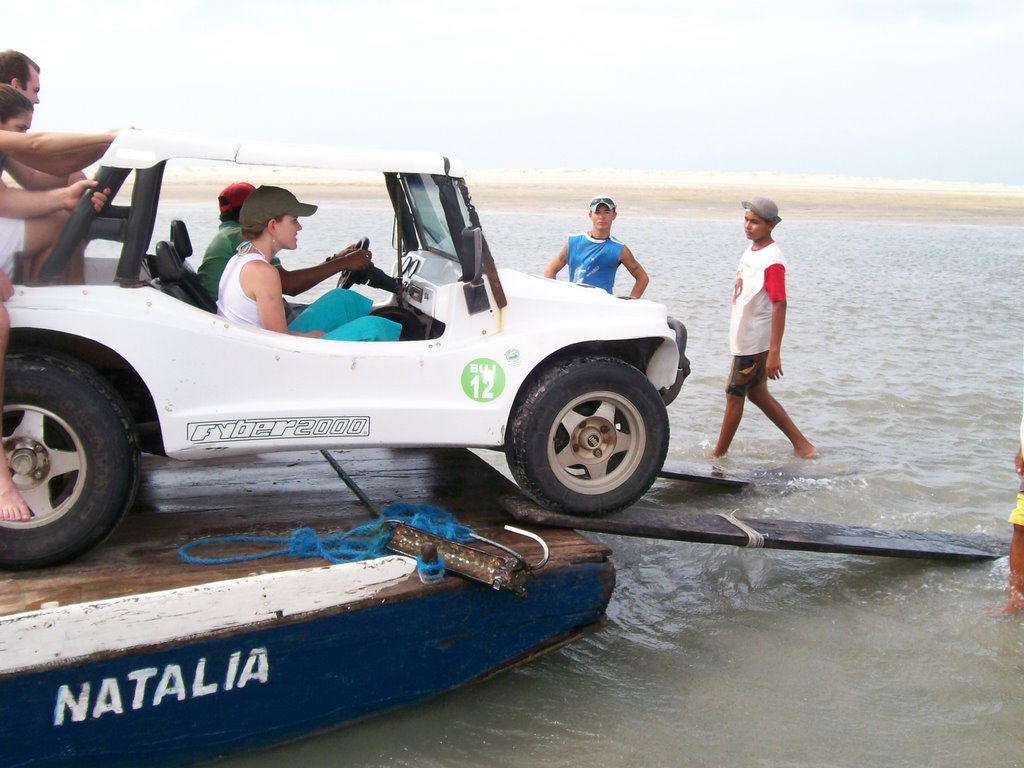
{"points": [[133, 225]]}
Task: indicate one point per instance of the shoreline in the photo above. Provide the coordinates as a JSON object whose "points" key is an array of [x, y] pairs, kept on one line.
{"points": [[657, 193]]}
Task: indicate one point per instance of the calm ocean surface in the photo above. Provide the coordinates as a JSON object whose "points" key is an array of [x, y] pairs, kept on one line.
{"points": [[902, 361]]}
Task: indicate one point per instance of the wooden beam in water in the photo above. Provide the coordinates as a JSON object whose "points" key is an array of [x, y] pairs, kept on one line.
{"points": [[771, 534], [701, 473]]}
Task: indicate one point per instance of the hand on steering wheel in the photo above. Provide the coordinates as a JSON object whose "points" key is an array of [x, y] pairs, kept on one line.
{"points": [[364, 272], [360, 259]]}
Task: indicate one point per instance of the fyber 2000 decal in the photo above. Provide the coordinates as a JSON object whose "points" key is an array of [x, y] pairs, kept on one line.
{"points": [[277, 429]]}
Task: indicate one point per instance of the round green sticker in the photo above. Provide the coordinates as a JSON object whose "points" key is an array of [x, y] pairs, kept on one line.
{"points": [[483, 380]]}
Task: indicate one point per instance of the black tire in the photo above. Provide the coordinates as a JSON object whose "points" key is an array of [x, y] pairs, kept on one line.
{"points": [[589, 438], [74, 455]]}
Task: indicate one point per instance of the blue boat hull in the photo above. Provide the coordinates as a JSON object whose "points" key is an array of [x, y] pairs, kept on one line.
{"points": [[207, 698]]}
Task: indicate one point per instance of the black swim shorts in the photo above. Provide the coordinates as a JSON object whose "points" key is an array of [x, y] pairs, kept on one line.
{"points": [[747, 371]]}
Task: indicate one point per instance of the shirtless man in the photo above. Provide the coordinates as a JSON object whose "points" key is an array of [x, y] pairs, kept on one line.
{"points": [[19, 71], [22, 73], [57, 154]]}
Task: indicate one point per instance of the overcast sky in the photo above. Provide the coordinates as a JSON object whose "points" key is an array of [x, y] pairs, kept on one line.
{"points": [[863, 88]]}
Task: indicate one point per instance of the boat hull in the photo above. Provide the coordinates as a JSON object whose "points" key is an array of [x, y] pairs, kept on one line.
{"points": [[250, 687]]}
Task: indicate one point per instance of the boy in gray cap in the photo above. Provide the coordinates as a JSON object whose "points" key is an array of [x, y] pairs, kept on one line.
{"points": [[756, 327]]}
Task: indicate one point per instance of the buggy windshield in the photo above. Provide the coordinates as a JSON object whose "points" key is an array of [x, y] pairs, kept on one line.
{"points": [[438, 211]]}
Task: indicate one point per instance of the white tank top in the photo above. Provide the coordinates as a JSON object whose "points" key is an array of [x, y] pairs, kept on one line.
{"points": [[232, 302]]}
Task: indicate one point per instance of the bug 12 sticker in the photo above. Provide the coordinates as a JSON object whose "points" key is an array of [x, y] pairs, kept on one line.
{"points": [[483, 380]]}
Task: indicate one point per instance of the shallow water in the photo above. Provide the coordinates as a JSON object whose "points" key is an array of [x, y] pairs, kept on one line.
{"points": [[902, 361]]}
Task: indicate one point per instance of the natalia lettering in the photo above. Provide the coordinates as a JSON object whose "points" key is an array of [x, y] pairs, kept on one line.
{"points": [[150, 686]]}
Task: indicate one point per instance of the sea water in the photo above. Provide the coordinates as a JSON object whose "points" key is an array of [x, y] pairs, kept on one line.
{"points": [[902, 363]]}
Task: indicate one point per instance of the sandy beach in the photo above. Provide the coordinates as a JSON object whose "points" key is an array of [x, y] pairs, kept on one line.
{"points": [[705, 194]]}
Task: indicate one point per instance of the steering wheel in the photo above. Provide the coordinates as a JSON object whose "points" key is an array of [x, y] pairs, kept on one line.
{"points": [[349, 277], [373, 276]]}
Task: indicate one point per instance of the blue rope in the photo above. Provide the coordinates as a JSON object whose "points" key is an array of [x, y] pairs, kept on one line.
{"points": [[430, 573], [364, 542]]}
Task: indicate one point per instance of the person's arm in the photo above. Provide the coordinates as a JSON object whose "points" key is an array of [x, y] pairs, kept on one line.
{"points": [[22, 204], [775, 287], [640, 278], [294, 282], [7, 290], [555, 265], [774, 364], [58, 154], [37, 181], [261, 283]]}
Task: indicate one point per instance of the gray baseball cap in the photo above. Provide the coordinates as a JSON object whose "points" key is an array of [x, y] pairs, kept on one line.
{"points": [[266, 203], [763, 207], [602, 200]]}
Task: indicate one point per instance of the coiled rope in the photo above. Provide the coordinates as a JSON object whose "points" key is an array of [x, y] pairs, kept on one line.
{"points": [[364, 542]]}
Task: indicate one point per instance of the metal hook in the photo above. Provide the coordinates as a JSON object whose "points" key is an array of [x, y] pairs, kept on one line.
{"points": [[538, 539], [516, 555]]}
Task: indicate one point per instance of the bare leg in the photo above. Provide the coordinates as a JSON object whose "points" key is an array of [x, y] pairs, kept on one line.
{"points": [[771, 407], [1016, 600], [730, 423], [12, 505], [74, 272], [40, 236]]}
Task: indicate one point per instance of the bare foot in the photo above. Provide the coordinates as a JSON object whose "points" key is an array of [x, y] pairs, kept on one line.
{"points": [[805, 451], [12, 506], [1013, 606]]}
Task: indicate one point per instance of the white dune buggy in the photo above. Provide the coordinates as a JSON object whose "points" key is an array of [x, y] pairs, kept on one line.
{"points": [[571, 383]]}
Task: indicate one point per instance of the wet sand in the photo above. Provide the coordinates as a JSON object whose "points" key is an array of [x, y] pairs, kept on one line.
{"points": [[664, 193]]}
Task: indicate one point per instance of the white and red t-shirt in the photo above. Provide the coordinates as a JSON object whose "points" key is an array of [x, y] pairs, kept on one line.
{"points": [[760, 280]]}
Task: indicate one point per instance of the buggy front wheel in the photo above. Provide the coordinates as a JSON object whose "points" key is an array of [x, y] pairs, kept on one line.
{"points": [[589, 437]]}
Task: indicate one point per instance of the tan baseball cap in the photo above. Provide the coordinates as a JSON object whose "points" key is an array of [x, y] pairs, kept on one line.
{"points": [[266, 203]]}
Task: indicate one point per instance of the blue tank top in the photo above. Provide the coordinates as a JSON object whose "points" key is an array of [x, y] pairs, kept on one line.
{"points": [[593, 262]]}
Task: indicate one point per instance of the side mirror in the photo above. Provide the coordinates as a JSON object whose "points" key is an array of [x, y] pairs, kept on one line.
{"points": [[471, 255]]}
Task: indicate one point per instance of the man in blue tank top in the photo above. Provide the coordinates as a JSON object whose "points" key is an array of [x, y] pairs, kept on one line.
{"points": [[594, 256]]}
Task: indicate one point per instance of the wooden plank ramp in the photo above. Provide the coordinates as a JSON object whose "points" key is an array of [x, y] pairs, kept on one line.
{"points": [[738, 478], [771, 534], [702, 473], [271, 495]]}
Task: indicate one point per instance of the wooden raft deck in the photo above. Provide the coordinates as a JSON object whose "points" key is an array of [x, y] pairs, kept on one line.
{"points": [[272, 495]]}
